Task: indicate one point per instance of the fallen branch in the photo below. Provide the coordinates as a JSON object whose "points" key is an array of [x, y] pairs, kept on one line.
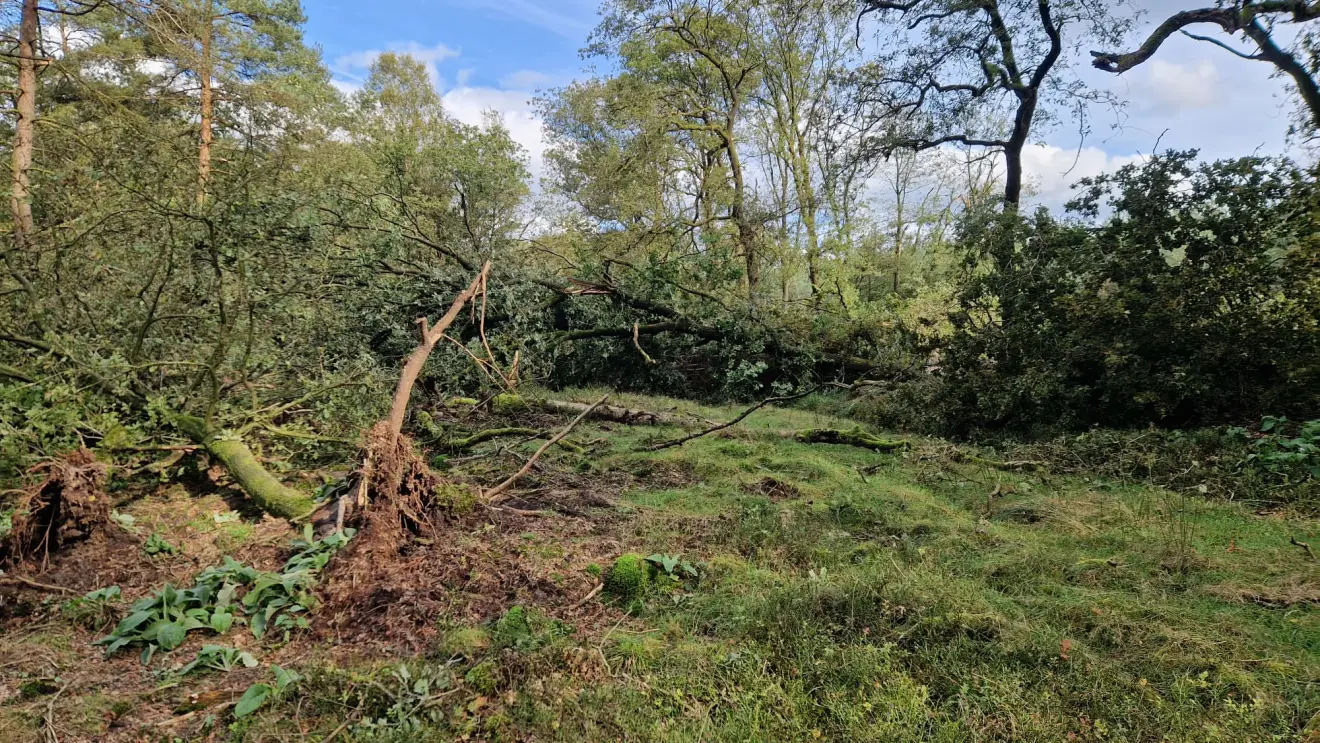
{"points": [[854, 437], [492, 494], [994, 464], [483, 436], [20, 580], [1303, 545], [637, 343], [430, 336], [734, 422], [594, 593], [609, 412]]}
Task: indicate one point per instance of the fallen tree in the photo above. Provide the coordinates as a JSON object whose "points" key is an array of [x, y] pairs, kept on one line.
{"points": [[261, 486], [852, 437]]}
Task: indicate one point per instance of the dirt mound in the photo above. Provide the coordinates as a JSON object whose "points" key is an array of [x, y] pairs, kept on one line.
{"points": [[67, 507]]}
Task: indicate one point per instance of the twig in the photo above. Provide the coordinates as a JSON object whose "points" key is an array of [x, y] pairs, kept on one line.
{"points": [[188, 716], [1303, 545], [594, 592], [33, 584], [48, 722], [493, 493], [638, 344], [343, 726], [734, 422]]}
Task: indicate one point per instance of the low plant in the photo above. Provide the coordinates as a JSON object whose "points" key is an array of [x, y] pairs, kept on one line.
{"points": [[258, 694], [1278, 454], [413, 702], [219, 658], [92, 610], [673, 567], [162, 621], [156, 545]]}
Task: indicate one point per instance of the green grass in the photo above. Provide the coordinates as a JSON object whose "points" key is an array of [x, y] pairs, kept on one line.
{"points": [[880, 597], [906, 605]]}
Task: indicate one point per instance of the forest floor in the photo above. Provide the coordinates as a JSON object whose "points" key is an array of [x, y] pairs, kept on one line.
{"points": [[839, 594]]}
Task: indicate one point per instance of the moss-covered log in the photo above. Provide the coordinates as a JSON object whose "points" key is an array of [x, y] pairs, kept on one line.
{"points": [[853, 437], [481, 437], [260, 485]]}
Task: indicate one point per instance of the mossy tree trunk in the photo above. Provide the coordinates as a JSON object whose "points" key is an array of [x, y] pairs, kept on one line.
{"points": [[261, 486]]}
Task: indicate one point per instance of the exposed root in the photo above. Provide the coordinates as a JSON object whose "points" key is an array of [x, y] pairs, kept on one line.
{"points": [[67, 507]]}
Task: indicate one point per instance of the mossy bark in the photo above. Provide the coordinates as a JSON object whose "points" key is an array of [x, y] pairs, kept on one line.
{"points": [[260, 485], [854, 437], [484, 436]]}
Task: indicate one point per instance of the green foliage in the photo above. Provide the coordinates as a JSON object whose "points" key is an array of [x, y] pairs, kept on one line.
{"points": [[412, 704], [1198, 277], [268, 599], [673, 567], [94, 609], [156, 545], [258, 694], [1287, 457], [219, 658]]}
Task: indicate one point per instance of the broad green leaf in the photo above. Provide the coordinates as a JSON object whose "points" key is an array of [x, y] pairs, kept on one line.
{"points": [[171, 635], [252, 699]]}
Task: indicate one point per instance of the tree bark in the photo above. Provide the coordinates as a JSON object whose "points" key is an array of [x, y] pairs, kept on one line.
{"points": [[746, 232], [261, 486], [207, 108], [430, 336], [25, 105]]}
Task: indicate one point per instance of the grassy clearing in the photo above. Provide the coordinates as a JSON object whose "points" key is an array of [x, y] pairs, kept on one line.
{"points": [[852, 596]]}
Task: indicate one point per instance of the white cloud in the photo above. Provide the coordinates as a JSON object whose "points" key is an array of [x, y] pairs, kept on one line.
{"points": [[469, 104], [350, 69], [1167, 88], [1051, 171]]}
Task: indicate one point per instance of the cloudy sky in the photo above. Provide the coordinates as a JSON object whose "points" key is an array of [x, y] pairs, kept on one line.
{"points": [[495, 54]]}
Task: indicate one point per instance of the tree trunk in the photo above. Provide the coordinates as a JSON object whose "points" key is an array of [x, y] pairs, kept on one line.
{"points": [[746, 236], [1013, 176], [25, 104], [412, 368], [261, 486], [207, 109]]}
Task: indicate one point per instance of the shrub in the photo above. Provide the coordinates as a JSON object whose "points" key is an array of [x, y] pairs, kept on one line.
{"points": [[1192, 303]]}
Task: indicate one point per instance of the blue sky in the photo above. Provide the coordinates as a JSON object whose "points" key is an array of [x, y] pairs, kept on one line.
{"points": [[495, 54]]}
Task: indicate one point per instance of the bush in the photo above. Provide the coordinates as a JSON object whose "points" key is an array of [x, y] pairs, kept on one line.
{"points": [[1194, 302]]}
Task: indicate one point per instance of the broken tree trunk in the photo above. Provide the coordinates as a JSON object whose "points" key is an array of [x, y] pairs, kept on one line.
{"points": [[853, 437], [262, 487], [431, 335], [608, 412]]}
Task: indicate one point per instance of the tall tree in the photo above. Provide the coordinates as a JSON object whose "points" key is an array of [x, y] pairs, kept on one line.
{"points": [[242, 52], [804, 44], [952, 65], [702, 57]]}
